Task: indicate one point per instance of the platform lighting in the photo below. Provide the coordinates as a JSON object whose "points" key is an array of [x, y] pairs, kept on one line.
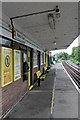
{"points": [[54, 42], [57, 12], [53, 16], [51, 21]]}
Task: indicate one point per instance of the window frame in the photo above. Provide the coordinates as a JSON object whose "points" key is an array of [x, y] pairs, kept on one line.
{"points": [[35, 58]]}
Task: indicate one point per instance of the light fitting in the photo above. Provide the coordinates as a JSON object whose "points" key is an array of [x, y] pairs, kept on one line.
{"points": [[51, 21], [53, 16], [55, 48], [57, 12], [54, 42]]}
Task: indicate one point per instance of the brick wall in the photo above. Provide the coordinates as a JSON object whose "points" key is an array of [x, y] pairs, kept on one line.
{"points": [[12, 93]]}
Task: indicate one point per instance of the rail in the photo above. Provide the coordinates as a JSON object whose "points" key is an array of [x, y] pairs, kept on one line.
{"points": [[74, 71]]}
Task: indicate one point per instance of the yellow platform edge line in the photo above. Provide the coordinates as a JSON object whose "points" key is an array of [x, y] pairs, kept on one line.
{"points": [[30, 88]]}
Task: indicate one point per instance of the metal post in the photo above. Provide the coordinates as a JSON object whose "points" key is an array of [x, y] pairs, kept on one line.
{"points": [[12, 28], [38, 82]]}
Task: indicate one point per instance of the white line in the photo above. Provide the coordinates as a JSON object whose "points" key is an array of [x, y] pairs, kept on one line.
{"points": [[52, 101], [71, 79], [40, 91]]}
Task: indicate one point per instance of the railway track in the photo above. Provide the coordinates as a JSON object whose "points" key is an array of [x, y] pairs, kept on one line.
{"points": [[74, 72]]}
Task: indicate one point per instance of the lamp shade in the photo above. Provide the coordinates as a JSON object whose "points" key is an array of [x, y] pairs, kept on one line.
{"points": [[51, 21]]}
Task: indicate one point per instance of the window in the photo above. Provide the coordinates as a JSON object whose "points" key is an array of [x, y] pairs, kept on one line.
{"points": [[1, 41], [42, 58], [35, 58], [24, 57], [6, 42]]}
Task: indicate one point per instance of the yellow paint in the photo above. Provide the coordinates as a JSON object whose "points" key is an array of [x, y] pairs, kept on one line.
{"points": [[30, 88], [29, 68], [6, 66], [17, 65], [40, 76], [46, 60], [52, 102]]}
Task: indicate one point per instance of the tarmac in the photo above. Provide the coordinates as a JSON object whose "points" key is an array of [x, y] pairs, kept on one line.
{"points": [[56, 98]]}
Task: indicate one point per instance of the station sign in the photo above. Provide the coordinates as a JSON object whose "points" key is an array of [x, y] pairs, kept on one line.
{"points": [[19, 37]]}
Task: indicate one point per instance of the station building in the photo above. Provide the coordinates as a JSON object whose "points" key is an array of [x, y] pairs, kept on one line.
{"points": [[26, 37]]}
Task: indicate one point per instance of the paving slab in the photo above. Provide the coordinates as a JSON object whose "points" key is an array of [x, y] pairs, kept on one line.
{"points": [[37, 102], [66, 96]]}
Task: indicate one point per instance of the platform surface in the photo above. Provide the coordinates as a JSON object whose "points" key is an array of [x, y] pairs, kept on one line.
{"points": [[37, 102], [66, 96]]}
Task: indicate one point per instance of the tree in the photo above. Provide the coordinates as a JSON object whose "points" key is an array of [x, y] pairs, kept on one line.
{"points": [[75, 56], [79, 54], [62, 56]]}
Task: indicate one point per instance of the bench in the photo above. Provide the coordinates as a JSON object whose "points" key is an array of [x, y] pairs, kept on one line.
{"points": [[46, 69], [40, 75]]}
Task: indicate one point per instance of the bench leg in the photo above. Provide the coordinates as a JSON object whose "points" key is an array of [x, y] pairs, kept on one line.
{"points": [[38, 82]]}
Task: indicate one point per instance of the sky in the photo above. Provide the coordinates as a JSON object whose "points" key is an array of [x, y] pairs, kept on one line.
{"points": [[75, 43]]}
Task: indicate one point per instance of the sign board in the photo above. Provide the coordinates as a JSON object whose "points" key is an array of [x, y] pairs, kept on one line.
{"points": [[19, 37], [6, 66], [17, 64]]}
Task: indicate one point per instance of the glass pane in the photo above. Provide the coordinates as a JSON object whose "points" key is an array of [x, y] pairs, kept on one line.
{"points": [[6, 42]]}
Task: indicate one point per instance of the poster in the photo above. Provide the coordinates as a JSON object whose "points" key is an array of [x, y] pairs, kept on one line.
{"points": [[17, 65], [6, 66]]}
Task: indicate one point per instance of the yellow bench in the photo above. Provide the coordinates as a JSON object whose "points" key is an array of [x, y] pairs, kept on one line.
{"points": [[46, 70], [40, 75]]}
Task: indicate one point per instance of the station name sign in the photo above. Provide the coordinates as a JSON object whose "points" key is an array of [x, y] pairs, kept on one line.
{"points": [[19, 37]]}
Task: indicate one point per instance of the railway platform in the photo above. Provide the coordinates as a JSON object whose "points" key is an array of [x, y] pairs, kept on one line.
{"points": [[37, 102], [66, 96], [41, 102]]}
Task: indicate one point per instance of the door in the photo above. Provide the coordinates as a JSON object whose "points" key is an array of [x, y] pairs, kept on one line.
{"points": [[25, 66]]}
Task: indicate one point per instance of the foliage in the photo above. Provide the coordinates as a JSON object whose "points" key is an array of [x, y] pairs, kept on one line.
{"points": [[61, 56], [75, 56]]}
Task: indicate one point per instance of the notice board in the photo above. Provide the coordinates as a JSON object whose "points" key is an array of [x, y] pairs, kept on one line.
{"points": [[17, 65], [6, 66]]}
